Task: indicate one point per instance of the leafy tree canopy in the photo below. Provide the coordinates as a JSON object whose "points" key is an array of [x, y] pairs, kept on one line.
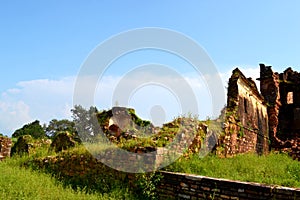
{"points": [[86, 122], [55, 126], [34, 129]]}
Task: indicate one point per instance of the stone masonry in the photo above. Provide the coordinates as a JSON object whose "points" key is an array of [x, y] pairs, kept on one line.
{"points": [[282, 94], [5, 147], [246, 122], [194, 187], [254, 119]]}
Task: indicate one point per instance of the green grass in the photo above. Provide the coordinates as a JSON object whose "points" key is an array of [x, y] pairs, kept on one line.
{"points": [[273, 169], [23, 183]]}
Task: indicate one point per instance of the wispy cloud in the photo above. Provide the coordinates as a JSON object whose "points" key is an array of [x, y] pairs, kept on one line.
{"points": [[47, 99], [36, 99], [13, 114]]}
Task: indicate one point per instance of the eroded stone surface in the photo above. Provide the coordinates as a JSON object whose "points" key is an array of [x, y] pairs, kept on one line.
{"points": [[5, 147], [246, 122], [253, 118], [63, 141], [282, 94], [24, 145]]}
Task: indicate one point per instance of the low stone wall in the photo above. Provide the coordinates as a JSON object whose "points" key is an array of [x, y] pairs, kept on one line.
{"points": [[185, 186], [130, 162], [5, 147]]}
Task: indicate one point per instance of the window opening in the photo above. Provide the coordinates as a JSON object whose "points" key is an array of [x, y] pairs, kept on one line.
{"points": [[289, 98], [245, 105]]}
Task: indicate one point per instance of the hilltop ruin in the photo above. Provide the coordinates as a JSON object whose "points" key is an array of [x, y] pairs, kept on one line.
{"points": [[257, 121], [254, 121]]}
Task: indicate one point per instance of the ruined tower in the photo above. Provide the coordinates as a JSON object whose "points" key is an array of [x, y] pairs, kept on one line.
{"points": [[246, 126], [269, 87], [289, 112], [282, 94], [253, 118]]}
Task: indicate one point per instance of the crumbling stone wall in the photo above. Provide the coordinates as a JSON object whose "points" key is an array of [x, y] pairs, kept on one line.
{"points": [[122, 121], [62, 141], [246, 123], [282, 94], [269, 87], [247, 116], [289, 112], [5, 147]]}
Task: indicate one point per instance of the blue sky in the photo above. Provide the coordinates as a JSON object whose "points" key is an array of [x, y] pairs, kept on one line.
{"points": [[44, 44]]}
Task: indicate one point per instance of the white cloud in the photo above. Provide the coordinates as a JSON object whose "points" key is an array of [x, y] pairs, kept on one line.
{"points": [[176, 95], [59, 87], [13, 115], [48, 99], [14, 91], [36, 99]]}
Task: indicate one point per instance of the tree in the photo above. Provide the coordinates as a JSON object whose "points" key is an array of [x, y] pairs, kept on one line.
{"points": [[86, 123], [34, 129], [55, 126]]}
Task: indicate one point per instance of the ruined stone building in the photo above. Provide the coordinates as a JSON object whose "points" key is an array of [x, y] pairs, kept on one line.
{"points": [[5, 147], [282, 93], [246, 126], [257, 121]]}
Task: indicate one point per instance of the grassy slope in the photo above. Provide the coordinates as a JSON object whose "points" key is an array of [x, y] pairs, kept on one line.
{"points": [[21, 183], [277, 169]]}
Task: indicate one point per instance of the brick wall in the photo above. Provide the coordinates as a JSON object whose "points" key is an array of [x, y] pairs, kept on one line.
{"points": [[185, 186]]}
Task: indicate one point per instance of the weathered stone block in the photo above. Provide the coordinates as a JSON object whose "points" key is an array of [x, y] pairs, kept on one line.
{"points": [[5, 147]]}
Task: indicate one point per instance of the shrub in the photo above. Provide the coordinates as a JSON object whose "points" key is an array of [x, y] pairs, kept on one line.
{"points": [[146, 184]]}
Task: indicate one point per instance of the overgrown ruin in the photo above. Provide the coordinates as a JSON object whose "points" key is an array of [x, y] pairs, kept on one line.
{"points": [[5, 147], [256, 122]]}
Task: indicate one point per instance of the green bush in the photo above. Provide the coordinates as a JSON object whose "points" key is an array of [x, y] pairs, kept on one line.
{"points": [[146, 184]]}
